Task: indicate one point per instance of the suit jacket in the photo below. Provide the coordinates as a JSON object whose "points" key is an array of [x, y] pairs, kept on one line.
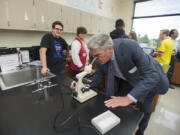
{"points": [[141, 71]]}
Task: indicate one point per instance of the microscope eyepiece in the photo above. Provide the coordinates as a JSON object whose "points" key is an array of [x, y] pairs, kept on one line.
{"points": [[94, 59]]}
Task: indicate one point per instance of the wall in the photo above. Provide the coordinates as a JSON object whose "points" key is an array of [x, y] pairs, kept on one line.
{"points": [[125, 12], [16, 38], [110, 8]]}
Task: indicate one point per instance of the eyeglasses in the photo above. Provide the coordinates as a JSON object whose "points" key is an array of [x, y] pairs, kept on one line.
{"points": [[58, 29]]}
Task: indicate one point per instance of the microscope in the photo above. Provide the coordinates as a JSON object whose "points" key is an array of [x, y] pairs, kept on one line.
{"points": [[82, 91]]}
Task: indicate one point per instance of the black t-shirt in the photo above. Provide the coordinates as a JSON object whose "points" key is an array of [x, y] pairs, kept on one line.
{"points": [[54, 56]]}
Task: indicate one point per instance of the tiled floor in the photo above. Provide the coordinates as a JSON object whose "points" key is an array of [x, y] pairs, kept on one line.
{"points": [[166, 119]]}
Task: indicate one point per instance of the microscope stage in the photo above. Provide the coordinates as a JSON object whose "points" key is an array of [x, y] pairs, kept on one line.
{"points": [[85, 96]]}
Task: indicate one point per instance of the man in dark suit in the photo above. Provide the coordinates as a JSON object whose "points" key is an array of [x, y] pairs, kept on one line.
{"points": [[123, 58]]}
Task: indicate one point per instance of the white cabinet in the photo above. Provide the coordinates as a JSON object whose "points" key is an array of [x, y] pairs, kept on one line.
{"points": [[20, 14], [3, 14], [106, 25], [76, 19], [41, 14], [86, 21], [67, 19], [102, 25], [54, 13], [109, 27], [95, 24]]}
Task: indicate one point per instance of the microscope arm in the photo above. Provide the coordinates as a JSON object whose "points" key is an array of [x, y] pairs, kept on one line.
{"points": [[79, 84]]}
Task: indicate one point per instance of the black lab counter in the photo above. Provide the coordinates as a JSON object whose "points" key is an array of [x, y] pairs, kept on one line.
{"points": [[24, 113]]}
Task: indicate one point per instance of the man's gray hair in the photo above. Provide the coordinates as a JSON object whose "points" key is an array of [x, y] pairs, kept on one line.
{"points": [[100, 41]]}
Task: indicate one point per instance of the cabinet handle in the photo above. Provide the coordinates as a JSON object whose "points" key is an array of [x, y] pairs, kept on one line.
{"points": [[33, 3], [34, 25], [9, 24]]}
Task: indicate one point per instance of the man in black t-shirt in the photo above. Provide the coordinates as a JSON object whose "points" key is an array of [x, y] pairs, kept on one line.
{"points": [[51, 51]]}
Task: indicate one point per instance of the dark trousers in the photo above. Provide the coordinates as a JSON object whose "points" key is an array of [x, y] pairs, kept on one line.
{"points": [[123, 89], [145, 107], [144, 123], [171, 69]]}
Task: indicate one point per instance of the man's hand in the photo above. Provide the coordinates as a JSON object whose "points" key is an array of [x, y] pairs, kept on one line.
{"points": [[118, 101], [73, 84], [44, 70]]}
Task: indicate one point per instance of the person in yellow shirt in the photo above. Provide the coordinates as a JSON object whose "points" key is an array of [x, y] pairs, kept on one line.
{"points": [[164, 50]]}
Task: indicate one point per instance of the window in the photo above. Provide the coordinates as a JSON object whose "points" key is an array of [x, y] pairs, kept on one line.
{"points": [[152, 16], [157, 7]]}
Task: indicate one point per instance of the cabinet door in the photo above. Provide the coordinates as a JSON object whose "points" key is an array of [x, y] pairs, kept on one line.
{"points": [[109, 25], [103, 26], [67, 19], [112, 24], [41, 14], [3, 14], [95, 24], [54, 13], [86, 21], [76, 19], [20, 14]]}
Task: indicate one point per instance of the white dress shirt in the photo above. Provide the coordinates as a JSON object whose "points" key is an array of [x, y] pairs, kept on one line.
{"points": [[175, 46]]}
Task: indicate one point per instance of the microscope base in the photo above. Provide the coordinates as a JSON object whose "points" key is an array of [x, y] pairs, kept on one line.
{"points": [[85, 96]]}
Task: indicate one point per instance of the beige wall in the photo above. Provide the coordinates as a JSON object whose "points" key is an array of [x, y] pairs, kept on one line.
{"points": [[125, 12], [18, 38]]}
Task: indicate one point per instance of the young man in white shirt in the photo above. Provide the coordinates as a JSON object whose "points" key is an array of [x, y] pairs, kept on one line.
{"points": [[79, 51]]}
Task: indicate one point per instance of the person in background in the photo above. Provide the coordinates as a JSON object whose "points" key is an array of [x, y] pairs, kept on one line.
{"points": [[164, 50], [173, 34], [132, 35], [123, 58], [119, 30], [51, 51], [79, 51], [115, 34]]}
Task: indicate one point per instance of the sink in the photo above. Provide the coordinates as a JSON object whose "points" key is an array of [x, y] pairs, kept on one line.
{"points": [[21, 77]]}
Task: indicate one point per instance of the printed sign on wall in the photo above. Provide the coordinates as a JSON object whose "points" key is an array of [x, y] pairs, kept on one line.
{"points": [[89, 5]]}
